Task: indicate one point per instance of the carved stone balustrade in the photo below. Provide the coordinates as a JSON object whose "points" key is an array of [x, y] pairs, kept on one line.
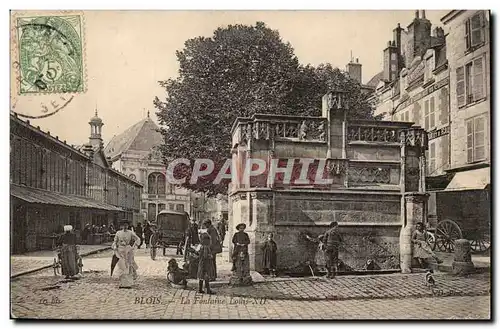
{"points": [[378, 131], [281, 127]]}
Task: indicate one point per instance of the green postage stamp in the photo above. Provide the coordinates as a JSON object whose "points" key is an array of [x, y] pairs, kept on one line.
{"points": [[50, 54]]}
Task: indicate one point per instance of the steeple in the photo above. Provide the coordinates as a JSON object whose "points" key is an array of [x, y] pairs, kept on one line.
{"points": [[96, 124]]}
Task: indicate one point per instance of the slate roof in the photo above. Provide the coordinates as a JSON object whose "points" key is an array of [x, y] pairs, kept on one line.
{"points": [[142, 136], [375, 80]]}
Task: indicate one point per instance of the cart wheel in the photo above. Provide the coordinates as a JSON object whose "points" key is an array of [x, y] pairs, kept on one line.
{"points": [[447, 231], [481, 242], [152, 246], [164, 251]]}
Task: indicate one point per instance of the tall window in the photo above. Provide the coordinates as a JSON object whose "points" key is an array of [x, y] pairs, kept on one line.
{"points": [[161, 206], [470, 82], [429, 112], [475, 29], [179, 207], [432, 158], [476, 139], [156, 183]]}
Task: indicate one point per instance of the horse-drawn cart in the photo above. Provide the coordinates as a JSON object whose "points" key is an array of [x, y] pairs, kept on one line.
{"points": [[169, 229]]}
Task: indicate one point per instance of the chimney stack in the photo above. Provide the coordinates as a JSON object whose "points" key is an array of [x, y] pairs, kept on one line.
{"points": [[417, 14], [354, 70]]}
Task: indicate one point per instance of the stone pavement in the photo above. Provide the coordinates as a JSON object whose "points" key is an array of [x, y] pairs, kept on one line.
{"points": [[32, 261], [96, 296]]}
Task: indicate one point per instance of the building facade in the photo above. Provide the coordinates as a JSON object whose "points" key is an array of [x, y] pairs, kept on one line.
{"points": [[53, 184], [135, 153], [468, 36], [439, 80], [415, 87]]}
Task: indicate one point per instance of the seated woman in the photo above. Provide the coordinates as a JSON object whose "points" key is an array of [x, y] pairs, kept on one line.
{"points": [[421, 249], [176, 275]]}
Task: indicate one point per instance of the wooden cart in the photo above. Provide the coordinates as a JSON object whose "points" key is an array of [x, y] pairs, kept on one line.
{"points": [[462, 216], [169, 229]]}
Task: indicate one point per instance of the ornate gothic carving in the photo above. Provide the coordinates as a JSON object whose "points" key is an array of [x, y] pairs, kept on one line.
{"points": [[287, 129], [244, 133], [414, 137], [370, 175], [260, 130], [372, 134], [315, 130], [337, 101], [303, 131], [336, 166], [261, 195]]}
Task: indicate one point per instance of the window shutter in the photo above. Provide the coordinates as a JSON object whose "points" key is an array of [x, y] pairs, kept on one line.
{"points": [[426, 115], [479, 139], [478, 80], [470, 141], [432, 122], [477, 29], [467, 34], [432, 158], [460, 86]]}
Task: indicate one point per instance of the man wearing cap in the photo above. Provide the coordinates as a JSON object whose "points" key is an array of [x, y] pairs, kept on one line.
{"points": [[67, 252], [124, 246], [332, 240]]}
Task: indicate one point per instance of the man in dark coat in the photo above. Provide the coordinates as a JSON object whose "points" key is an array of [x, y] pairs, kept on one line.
{"points": [[332, 240], [221, 227], [148, 231], [193, 232], [138, 232], [215, 245]]}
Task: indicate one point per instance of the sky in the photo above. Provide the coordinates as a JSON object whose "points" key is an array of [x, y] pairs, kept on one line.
{"points": [[128, 52]]}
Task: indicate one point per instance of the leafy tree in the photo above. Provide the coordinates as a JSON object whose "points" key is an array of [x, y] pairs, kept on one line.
{"points": [[239, 71], [314, 82]]}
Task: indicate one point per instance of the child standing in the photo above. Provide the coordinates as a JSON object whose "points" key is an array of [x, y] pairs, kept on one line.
{"points": [[269, 249]]}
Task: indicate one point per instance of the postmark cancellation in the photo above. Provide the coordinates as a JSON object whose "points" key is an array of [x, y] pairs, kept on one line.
{"points": [[50, 54]]}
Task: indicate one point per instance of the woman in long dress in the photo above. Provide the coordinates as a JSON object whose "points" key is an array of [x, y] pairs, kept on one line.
{"points": [[421, 249], [68, 254], [124, 246]]}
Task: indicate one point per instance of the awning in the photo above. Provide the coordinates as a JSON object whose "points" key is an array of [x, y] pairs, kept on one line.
{"points": [[34, 195], [476, 179]]}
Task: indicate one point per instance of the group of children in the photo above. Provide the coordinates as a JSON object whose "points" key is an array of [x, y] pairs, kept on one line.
{"points": [[241, 240]]}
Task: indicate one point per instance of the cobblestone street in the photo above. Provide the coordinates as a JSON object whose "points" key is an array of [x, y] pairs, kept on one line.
{"points": [[96, 296]]}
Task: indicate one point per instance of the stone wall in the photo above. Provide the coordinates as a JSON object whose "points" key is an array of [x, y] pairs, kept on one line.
{"points": [[371, 164], [369, 222]]}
